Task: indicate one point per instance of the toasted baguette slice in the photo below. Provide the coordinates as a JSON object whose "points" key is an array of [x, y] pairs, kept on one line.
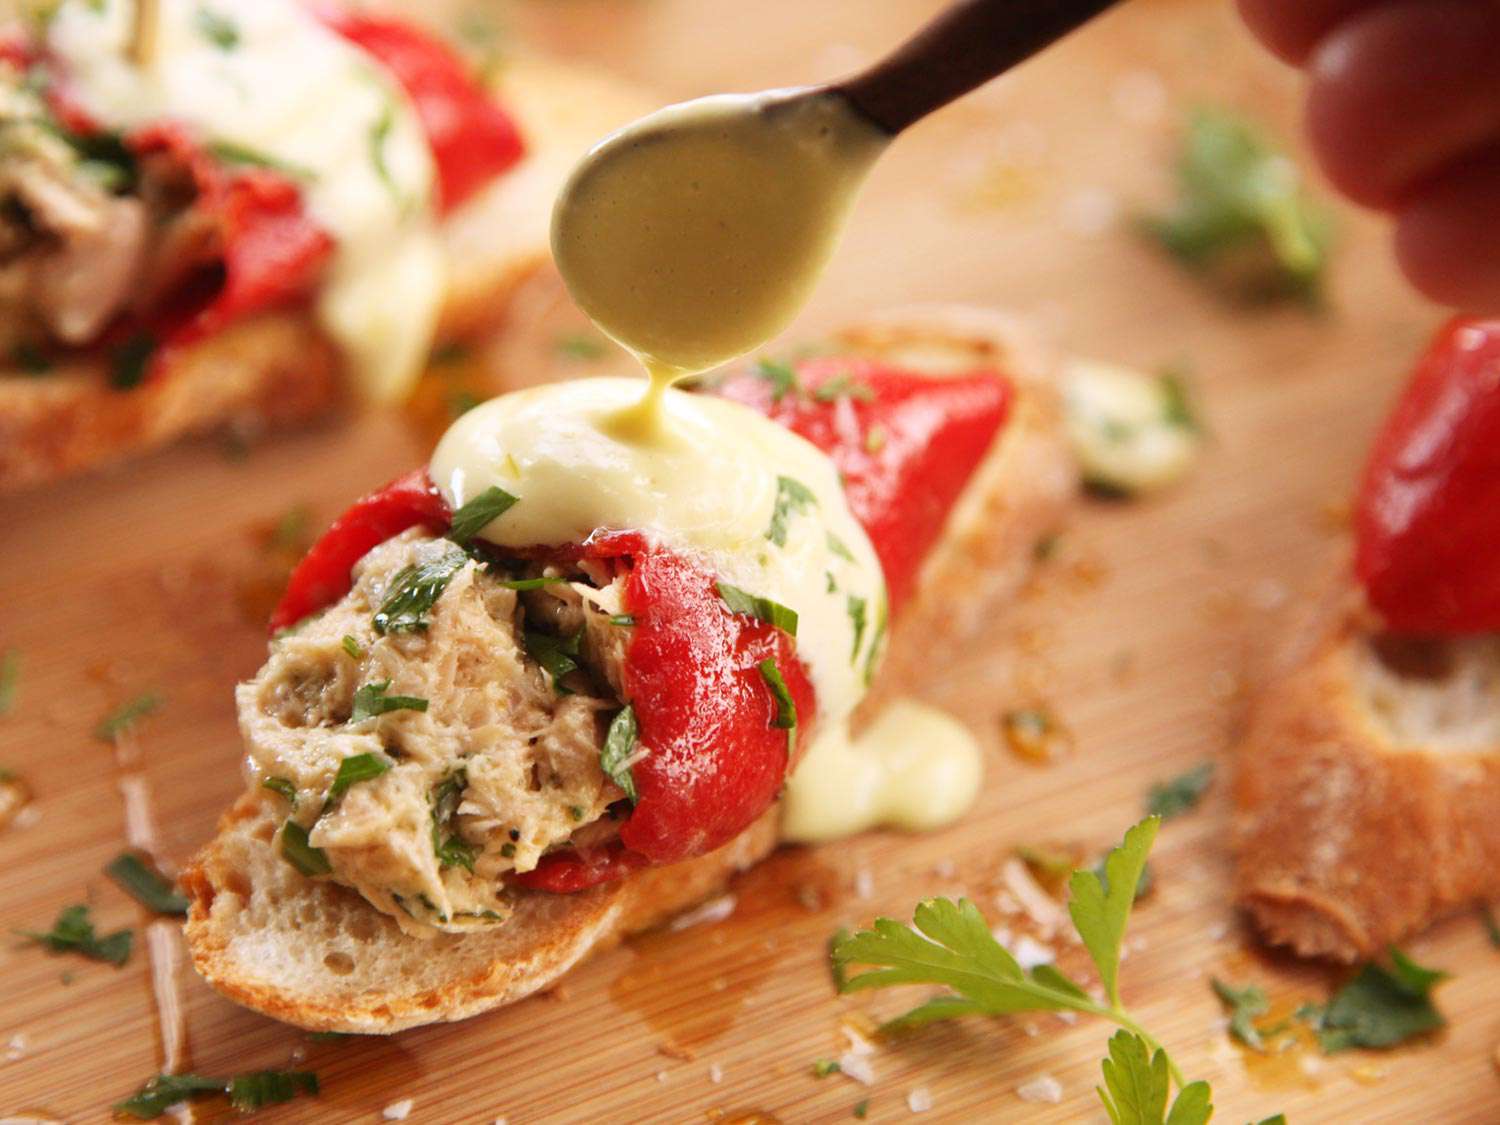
{"points": [[316, 955], [1366, 784], [278, 368]]}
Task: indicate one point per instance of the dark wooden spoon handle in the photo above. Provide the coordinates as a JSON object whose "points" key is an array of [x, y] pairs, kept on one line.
{"points": [[964, 47]]}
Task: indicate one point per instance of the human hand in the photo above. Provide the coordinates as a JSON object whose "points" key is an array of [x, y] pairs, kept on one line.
{"points": [[1403, 111]]}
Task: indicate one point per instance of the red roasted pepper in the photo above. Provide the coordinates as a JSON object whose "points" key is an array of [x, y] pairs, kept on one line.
{"points": [[472, 139], [323, 576], [1428, 516]]}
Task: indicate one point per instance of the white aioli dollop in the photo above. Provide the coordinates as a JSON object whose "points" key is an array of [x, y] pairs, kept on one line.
{"points": [[914, 768], [705, 482], [295, 92]]}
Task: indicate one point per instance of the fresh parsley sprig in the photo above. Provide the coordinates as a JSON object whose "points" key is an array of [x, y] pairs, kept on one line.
{"points": [[372, 699], [246, 1092], [1180, 794], [73, 932], [952, 945]]}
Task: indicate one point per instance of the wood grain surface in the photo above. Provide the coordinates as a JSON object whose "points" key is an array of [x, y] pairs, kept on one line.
{"points": [[1137, 635]]}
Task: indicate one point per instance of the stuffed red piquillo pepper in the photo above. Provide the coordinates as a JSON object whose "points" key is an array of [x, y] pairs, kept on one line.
{"points": [[1428, 515], [555, 655], [258, 155]]}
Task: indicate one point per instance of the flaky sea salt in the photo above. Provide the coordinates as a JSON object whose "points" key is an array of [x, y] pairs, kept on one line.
{"points": [[398, 1111], [1042, 1088], [919, 1100]]}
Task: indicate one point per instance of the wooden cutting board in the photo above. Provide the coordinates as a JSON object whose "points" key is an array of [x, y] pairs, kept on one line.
{"points": [[1136, 635]]}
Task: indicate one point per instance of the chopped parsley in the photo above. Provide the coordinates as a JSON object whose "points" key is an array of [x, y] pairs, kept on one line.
{"points": [[10, 678], [1381, 1006], [122, 718], [786, 706], [145, 884], [782, 377], [218, 29], [352, 647], [357, 768], [1245, 1006], [1181, 794], [872, 657], [1177, 403], [380, 132], [875, 439], [282, 787], [531, 583], [451, 849], [73, 932], [579, 345], [230, 153], [856, 608], [558, 655], [753, 605], [1242, 213], [246, 1092], [128, 362], [296, 850], [792, 497], [624, 620], [822, 1068], [843, 386], [479, 513], [619, 747], [371, 700], [839, 548], [413, 591]]}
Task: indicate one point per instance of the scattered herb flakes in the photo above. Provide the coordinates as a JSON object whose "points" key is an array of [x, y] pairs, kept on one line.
{"points": [[122, 718], [282, 787], [1137, 1084], [786, 706], [413, 591], [619, 747], [839, 548], [843, 386], [792, 497], [250, 1092], [371, 700], [10, 678], [479, 513], [780, 375], [862, 1109], [1177, 402], [558, 655], [166, 1090], [352, 647], [1381, 1006], [822, 1068], [579, 345], [229, 152], [1491, 926], [836, 967], [73, 932], [875, 439], [625, 620], [296, 850], [1242, 214], [357, 768], [531, 583], [380, 132], [451, 849], [1245, 1006], [128, 362], [856, 610], [752, 605], [145, 884], [218, 29], [1181, 794], [872, 656]]}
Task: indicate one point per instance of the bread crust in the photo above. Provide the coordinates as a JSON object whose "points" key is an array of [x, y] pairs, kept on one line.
{"points": [[385, 983], [276, 370], [1346, 840]]}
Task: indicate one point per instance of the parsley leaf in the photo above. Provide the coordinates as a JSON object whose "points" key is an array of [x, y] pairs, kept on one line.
{"points": [[451, 849], [1245, 1006], [1137, 1084], [479, 513], [1100, 913], [249, 1092], [786, 706], [371, 700], [619, 745], [218, 29], [843, 386], [73, 932], [231, 153], [166, 1090], [145, 884], [10, 678], [281, 786], [782, 377], [246, 1092], [296, 850], [413, 591], [380, 132], [354, 769], [839, 548], [792, 497], [122, 718], [1180, 794], [558, 655], [856, 607], [531, 583], [352, 647], [1239, 196], [752, 605], [1381, 1007]]}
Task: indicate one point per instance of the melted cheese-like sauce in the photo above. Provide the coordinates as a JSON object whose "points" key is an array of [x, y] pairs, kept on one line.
{"points": [[914, 768], [314, 106], [695, 234], [705, 481]]}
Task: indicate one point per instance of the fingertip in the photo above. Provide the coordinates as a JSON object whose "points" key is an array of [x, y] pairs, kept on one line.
{"points": [[1290, 29], [1448, 236]]}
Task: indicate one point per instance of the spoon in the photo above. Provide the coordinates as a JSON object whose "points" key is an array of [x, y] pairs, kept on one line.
{"points": [[695, 234]]}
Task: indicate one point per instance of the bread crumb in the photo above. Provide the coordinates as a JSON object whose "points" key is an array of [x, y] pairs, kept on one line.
{"points": [[398, 1111], [919, 1100], [857, 1067], [715, 1073], [16, 1048], [661, 1076], [714, 910], [1042, 1088]]}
